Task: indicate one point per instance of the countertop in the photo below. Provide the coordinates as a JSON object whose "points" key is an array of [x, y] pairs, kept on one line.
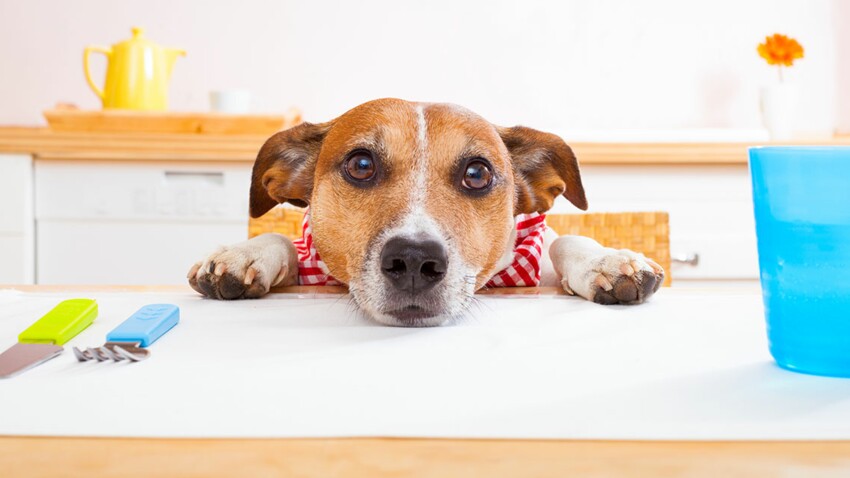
{"points": [[46, 144], [378, 457]]}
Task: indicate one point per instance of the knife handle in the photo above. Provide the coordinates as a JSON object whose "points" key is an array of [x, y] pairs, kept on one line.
{"points": [[146, 325], [62, 323]]}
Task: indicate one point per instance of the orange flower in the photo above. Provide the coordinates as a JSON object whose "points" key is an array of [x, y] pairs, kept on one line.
{"points": [[780, 50]]}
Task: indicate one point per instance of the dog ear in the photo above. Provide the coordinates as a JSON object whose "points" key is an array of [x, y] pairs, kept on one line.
{"points": [[283, 171], [544, 168]]}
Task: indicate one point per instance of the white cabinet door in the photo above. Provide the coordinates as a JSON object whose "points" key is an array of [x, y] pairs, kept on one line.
{"points": [[16, 219], [127, 252], [133, 223], [711, 213]]}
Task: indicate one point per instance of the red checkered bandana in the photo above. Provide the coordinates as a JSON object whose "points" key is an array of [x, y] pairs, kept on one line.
{"points": [[524, 271], [311, 269]]}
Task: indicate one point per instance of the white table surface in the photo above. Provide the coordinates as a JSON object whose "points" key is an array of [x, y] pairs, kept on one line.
{"points": [[691, 364]]}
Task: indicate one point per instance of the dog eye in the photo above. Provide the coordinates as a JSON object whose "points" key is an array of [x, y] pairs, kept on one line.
{"points": [[477, 175], [360, 166]]}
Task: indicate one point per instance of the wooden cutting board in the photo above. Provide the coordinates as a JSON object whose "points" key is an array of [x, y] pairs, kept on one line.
{"points": [[114, 121]]}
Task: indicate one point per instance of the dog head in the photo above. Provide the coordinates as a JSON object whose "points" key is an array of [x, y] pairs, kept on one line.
{"points": [[412, 205]]}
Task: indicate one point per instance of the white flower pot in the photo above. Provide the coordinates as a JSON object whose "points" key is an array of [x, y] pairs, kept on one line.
{"points": [[779, 110]]}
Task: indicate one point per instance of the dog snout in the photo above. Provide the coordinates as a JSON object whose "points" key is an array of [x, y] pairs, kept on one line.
{"points": [[413, 265]]}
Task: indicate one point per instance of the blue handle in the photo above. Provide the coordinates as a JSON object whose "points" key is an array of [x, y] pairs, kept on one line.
{"points": [[146, 325]]}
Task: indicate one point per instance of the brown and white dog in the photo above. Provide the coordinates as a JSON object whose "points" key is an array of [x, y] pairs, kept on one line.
{"points": [[413, 206]]}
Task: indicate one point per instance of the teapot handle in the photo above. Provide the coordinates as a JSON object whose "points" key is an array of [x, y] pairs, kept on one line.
{"points": [[98, 49]]}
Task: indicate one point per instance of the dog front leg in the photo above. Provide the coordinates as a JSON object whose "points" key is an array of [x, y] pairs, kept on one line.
{"points": [[604, 275], [246, 270]]}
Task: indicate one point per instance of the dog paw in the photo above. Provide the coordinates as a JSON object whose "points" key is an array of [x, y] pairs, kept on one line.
{"points": [[243, 271], [625, 277], [619, 277]]}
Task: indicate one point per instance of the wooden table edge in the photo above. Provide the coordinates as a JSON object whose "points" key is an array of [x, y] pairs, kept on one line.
{"points": [[385, 457]]}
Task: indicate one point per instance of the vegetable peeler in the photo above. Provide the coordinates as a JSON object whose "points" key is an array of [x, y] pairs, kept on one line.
{"points": [[43, 340], [129, 339]]}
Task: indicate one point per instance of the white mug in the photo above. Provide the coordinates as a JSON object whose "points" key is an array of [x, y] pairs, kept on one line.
{"points": [[230, 101]]}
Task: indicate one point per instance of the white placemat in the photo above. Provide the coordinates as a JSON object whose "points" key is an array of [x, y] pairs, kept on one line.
{"points": [[688, 365]]}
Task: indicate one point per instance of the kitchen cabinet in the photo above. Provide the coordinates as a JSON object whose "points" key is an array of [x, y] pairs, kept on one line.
{"points": [[16, 219], [133, 208], [712, 228], [134, 222], [147, 223]]}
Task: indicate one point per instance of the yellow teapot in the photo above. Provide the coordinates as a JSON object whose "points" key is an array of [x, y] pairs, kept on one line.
{"points": [[137, 73]]}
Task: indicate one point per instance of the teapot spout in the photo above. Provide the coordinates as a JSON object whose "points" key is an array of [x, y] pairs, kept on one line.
{"points": [[171, 55]]}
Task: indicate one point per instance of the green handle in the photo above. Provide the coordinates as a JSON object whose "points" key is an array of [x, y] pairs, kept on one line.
{"points": [[61, 324]]}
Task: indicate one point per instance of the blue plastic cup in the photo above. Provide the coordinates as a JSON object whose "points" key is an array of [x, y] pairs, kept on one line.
{"points": [[802, 208]]}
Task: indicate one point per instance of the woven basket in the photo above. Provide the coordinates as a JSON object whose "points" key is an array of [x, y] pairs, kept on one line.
{"points": [[644, 232], [282, 220]]}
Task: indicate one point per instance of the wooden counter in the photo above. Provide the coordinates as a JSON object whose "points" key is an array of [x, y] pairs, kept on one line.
{"points": [[394, 457], [46, 144], [136, 146]]}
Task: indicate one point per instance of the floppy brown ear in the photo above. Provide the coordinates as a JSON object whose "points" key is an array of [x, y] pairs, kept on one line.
{"points": [[283, 171], [544, 168]]}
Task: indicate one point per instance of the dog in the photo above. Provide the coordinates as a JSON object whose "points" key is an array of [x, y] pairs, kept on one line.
{"points": [[415, 206]]}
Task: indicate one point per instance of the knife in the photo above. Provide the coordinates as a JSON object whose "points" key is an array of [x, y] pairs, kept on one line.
{"points": [[43, 340]]}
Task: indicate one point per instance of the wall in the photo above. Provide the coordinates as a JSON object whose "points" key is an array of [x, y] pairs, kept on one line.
{"points": [[566, 66], [841, 24]]}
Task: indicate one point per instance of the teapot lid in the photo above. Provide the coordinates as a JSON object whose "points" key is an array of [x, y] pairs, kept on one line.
{"points": [[138, 39]]}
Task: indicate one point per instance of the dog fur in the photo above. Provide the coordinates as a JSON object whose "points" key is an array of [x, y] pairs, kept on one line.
{"points": [[419, 151]]}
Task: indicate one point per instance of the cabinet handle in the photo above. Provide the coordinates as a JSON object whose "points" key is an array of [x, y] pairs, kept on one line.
{"points": [[213, 177], [690, 259]]}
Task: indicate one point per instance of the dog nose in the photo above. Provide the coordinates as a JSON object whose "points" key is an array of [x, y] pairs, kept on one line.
{"points": [[413, 265]]}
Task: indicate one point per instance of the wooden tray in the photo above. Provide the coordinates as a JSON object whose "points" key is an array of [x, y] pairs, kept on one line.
{"points": [[114, 121]]}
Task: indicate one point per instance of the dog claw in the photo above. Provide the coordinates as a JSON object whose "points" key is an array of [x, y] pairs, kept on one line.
{"points": [[250, 274], [604, 283], [627, 270], [655, 267], [220, 268], [193, 271]]}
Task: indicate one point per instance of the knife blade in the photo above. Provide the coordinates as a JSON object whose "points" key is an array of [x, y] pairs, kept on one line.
{"points": [[43, 340]]}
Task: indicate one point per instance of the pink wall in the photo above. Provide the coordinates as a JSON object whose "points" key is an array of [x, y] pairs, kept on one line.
{"points": [[841, 19], [567, 66]]}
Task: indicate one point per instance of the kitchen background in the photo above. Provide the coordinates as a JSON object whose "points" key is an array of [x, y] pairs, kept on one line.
{"points": [[577, 67], [602, 74]]}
